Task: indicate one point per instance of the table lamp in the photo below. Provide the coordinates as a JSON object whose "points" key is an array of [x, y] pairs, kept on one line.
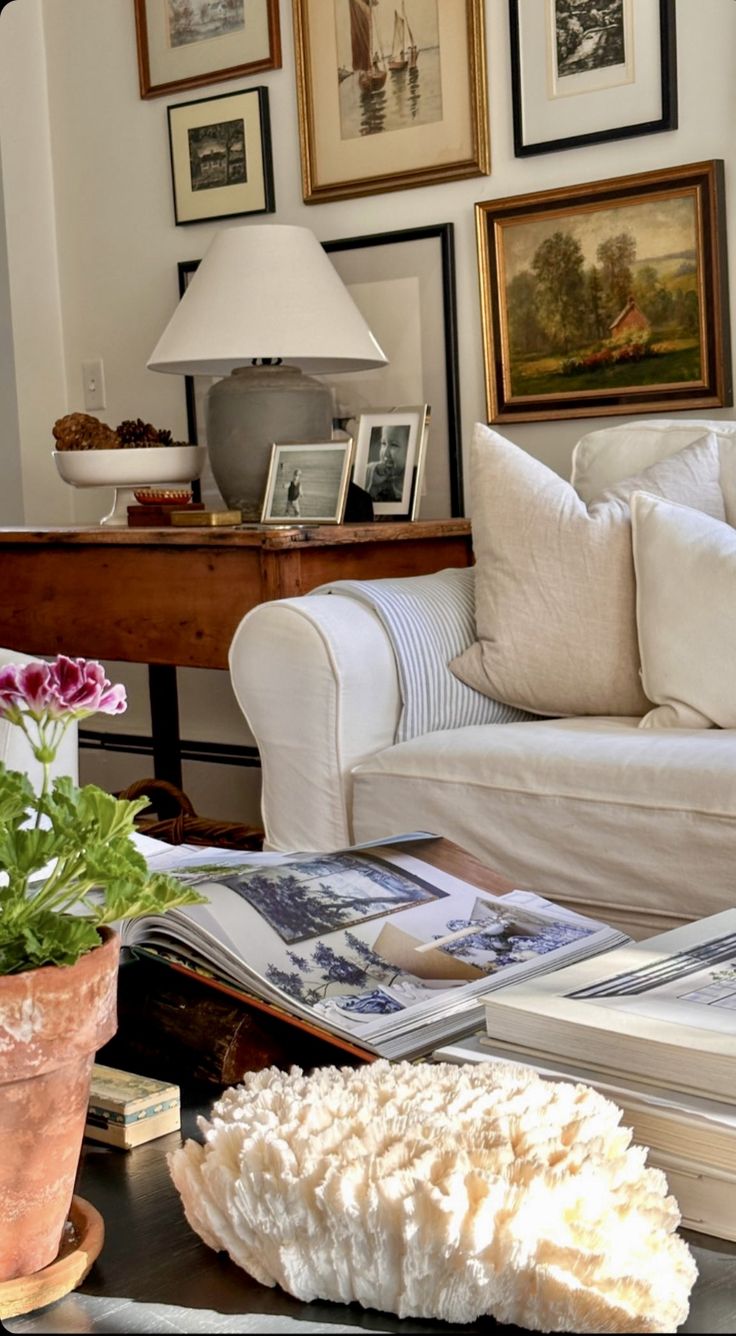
{"points": [[264, 307]]}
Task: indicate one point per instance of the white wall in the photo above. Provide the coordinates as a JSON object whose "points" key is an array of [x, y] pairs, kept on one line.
{"points": [[11, 495], [93, 247]]}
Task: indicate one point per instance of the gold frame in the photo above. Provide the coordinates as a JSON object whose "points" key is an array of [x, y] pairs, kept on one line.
{"points": [[704, 182], [308, 447], [270, 60], [477, 162]]}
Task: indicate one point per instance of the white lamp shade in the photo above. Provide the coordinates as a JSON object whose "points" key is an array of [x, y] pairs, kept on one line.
{"points": [[266, 292]]}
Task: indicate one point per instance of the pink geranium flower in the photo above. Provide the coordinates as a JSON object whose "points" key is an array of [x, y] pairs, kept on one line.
{"points": [[64, 689]]}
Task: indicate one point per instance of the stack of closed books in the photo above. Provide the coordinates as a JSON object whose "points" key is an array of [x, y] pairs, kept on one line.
{"points": [[652, 1026]]}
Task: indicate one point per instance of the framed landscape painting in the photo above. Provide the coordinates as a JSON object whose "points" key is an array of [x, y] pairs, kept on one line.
{"points": [[609, 66], [607, 297], [189, 43], [391, 95]]}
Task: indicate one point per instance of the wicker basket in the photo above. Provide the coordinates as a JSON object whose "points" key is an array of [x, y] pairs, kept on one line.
{"points": [[171, 817]]}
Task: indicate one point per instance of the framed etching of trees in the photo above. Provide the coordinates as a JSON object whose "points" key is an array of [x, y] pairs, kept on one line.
{"points": [[606, 297], [586, 72]]}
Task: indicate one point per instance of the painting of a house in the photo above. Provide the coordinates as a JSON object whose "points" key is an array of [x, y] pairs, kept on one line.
{"points": [[631, 322]]}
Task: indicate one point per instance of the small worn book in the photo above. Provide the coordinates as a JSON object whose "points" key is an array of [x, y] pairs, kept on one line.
{"points": [[372, 946], [125, 1110], [662, 1011]]}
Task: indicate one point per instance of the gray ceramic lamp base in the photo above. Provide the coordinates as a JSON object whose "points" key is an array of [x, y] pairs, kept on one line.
{"points": [[249, 411]]}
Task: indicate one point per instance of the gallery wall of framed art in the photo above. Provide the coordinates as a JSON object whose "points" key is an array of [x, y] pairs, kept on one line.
{"points": [[93, 221]]}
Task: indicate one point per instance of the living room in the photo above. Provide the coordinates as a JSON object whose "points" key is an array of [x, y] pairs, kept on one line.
{"points": [[90, 269], [93, 248]]}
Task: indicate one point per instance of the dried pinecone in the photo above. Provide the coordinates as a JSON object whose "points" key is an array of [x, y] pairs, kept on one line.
{"points": [[137, 433], [81, 431]]}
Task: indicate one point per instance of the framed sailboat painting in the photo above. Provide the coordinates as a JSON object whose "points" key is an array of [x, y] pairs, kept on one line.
{"points": [[392, 94]]}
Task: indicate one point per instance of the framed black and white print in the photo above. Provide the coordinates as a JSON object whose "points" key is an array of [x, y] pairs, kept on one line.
{"points": [[589, 71], [404, 284], [221, 156], [389, 446], [307, 483]]}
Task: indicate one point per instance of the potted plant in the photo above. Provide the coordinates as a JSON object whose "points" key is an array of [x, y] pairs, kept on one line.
{"points": [[58, 950]]}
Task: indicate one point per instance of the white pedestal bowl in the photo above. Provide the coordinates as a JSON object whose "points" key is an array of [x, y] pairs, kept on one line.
{"points": [[129, 468]]}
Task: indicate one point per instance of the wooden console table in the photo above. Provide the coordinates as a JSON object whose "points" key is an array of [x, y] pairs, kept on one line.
{"points": [[174, 597]]}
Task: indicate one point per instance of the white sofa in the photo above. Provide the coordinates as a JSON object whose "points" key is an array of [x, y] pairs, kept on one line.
{"points": [[637, 826]]}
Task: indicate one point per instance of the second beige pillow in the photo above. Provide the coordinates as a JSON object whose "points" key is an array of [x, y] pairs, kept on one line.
{"points": [[555, 590]]}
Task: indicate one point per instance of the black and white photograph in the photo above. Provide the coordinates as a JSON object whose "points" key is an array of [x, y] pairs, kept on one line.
{"points": [[217, 155], [192, 43], [221, 156], [590, 71], [307, 483], [389, 452]]}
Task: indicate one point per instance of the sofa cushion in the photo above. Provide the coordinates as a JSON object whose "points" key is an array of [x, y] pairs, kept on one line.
{"points": [[603, 458], [634, 825], [685, 598], [555, 589]]}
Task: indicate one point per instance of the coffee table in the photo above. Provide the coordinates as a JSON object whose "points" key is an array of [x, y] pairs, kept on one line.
{"points": [[151, 1256]]}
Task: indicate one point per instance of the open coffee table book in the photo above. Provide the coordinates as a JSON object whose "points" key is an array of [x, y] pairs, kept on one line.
{"points": [[372, 947]]}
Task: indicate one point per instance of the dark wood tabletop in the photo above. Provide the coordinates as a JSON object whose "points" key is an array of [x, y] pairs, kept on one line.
{"points": [[152, 1256]]}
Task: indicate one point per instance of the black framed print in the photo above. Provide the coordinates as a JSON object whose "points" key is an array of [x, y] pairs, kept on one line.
{"points": [[588, 71], [221, 156], [404, 285]]}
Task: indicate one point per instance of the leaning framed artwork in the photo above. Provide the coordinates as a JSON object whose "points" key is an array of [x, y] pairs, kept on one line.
{"points": [[221, 156], [404, 284], [389, 96], [607, 65], [186, 45], [606, 297]]}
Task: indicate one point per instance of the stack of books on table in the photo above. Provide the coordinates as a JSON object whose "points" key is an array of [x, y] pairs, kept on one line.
{"points": [[651, 1025]]}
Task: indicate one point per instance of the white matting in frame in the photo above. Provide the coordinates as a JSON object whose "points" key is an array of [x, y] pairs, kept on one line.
{"points": [[616, 78]]}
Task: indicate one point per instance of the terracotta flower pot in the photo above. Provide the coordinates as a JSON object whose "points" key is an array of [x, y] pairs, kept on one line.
{"points": [[52, 1021]]}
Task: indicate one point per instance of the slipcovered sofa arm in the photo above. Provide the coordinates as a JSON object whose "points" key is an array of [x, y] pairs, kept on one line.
{"points": [[316, 680]]}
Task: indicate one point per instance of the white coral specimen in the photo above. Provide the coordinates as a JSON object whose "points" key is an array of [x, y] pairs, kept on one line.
{"points": [[440, 1191]]}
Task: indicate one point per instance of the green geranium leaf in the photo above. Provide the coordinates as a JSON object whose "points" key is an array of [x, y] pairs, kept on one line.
{"points": [[50, 939]]}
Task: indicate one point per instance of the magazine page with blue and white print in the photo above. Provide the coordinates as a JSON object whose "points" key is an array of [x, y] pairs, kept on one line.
{"points": [[372, 944]]}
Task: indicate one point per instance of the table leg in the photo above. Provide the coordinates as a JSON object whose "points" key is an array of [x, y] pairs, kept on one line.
{"points": [[164, 698]]}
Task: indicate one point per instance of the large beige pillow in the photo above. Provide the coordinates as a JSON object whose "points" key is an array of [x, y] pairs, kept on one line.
{"points": [[603, 458], [685, 610], [555, 589]]}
